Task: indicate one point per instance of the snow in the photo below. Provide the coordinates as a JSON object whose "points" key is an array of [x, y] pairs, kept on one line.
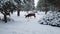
{"points": [[36, 1], [22, 25], [51, 18]]}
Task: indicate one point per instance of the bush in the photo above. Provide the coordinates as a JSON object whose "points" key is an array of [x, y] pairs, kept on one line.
{"points": [[51, 18]]}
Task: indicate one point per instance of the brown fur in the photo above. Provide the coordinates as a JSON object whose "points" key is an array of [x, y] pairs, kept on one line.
{"points": [[29, 15]]}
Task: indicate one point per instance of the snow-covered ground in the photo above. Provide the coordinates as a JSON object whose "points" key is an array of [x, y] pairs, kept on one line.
{"points": [[51, 18], [22, 25]]}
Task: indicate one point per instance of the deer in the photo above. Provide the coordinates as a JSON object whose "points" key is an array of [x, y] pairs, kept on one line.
{"points": [[29, 15]]}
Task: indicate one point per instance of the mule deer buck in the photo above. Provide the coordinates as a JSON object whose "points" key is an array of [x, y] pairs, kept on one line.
{"points": [[31, 14]]}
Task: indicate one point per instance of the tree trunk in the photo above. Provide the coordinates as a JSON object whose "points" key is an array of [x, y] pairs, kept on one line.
{"points": [[5, 18], [46, 12], [18, 13], [11, 11]]}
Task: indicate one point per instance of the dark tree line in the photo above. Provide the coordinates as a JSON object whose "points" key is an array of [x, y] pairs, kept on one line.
{"points": [[7, 8], [25, 5], [48, 5]]}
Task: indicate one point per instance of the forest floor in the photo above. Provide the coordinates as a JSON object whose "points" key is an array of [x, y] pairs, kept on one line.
{"points": [[22, 25]]}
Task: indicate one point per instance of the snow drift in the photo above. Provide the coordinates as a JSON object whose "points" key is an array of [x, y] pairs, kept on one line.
{"points": [[51, 18]]}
